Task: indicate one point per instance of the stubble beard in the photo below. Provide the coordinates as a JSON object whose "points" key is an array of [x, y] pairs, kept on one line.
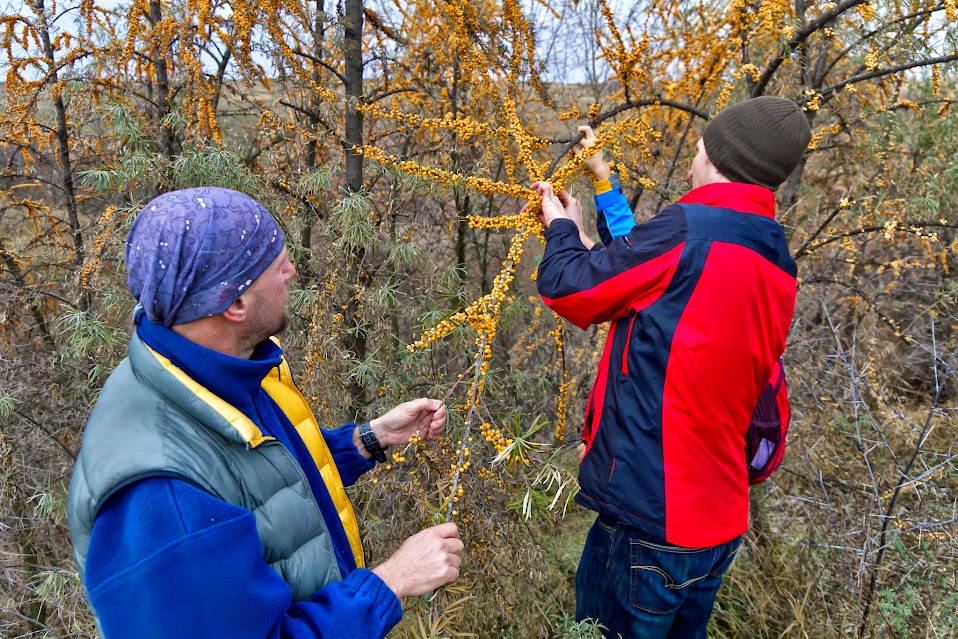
{"points": [[256, 336], [282, 324]]}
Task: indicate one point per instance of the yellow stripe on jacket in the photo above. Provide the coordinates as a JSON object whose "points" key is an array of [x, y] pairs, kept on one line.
{"points": [[249, 431], [279, 384]]}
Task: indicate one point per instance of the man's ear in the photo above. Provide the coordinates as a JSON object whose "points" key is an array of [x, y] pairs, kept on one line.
{"points": [[708, 163], [716, 174], [238, 310]]}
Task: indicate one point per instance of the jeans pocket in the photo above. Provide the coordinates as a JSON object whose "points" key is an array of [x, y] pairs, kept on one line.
{"points": [[591, 576], [660, 574], [609, 528], [730, 550]]}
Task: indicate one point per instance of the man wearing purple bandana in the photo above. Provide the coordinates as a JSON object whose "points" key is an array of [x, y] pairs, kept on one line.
{"points": [[206, 501]]}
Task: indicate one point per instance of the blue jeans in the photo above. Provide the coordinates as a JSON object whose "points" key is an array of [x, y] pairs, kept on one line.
{"points": [[640, 587]]}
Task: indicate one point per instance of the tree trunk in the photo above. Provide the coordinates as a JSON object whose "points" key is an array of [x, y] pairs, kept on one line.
{"points": [[356, 342], [65, 166], [353, 73], [462, 202], [163, 131], [312, 147]]}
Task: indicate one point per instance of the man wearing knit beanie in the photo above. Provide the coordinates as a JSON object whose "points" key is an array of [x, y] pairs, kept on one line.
{"points": [[206, 501], [700, 300], [759, 141]]}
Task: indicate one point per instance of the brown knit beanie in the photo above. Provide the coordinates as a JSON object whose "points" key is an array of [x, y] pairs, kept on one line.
{"points": [[758, 141]]}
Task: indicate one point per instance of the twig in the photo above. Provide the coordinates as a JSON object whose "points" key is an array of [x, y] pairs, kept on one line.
{"points": [[465, 437], [902, 481], [38, 624], [445, 402]]}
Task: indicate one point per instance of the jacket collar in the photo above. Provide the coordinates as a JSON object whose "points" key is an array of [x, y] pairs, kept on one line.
{"points": [[745, 198], [191, 397], [234, 379]]}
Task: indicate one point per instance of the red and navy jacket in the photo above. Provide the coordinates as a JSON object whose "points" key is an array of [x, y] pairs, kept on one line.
{"points": [[701, 298]]}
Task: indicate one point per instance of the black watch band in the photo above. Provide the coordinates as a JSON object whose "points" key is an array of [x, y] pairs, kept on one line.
{"points": [[372, 445]]}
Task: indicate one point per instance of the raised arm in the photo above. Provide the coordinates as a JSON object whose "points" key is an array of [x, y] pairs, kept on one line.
{"points": [[631, 272], [614, 217]]}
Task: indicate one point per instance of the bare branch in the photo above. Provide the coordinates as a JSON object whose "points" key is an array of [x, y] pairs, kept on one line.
{"points": [[878, 73], [799, 40]]}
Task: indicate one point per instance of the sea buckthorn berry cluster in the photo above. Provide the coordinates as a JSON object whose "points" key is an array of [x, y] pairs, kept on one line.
{"points": [[462, 467], [562, 401], [562, 406], [92, 266], [494, 437]]}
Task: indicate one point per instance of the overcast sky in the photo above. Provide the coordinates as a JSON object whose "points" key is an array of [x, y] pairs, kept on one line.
{"points": [[566, 46]]}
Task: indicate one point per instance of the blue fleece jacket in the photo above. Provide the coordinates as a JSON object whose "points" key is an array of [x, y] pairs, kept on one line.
{"points": [[169, 560]]}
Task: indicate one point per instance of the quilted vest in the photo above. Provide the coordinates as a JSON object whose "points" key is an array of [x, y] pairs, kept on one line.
{"points": [[152, 420]]}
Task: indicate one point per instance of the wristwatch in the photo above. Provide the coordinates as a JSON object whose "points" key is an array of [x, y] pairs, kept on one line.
{"points": [[372, 445]]}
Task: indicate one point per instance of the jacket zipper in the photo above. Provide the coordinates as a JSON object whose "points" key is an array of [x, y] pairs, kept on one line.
{"points": [[589, 414], [628, 341]]}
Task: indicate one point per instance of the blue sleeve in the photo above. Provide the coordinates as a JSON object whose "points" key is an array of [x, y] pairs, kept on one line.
{"points": [[614, 216], [348, 460], [167, 560]]}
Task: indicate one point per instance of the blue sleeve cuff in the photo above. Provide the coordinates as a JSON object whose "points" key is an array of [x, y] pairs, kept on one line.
{"points": [[614, 210], [373, 591], [361, 605], [349, 462]]}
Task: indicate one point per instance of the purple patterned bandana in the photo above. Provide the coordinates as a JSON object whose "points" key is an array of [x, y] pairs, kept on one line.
{"points": [[191, 253]]}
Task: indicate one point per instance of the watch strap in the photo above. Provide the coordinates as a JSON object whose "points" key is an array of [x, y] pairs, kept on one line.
{"points": [[371, 443]]}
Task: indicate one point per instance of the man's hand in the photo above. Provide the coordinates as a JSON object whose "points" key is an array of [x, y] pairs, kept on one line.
{"points": [[553, 208], [596, 163], [427, 560], [427, 417], [560, 207], [573, 209]]}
